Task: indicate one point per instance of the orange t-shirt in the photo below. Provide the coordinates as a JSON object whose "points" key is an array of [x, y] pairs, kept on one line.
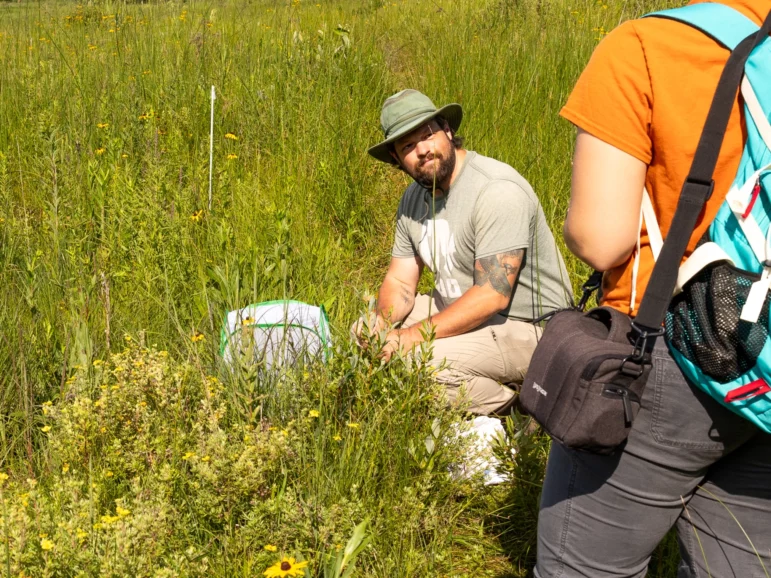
{"points": [[647, 90]]}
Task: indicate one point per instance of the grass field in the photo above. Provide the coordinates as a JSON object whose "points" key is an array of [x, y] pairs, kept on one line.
{"points": [[126, 447]]}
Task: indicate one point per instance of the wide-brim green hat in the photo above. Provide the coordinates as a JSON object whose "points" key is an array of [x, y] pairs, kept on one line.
{"points": [[404, 112]]}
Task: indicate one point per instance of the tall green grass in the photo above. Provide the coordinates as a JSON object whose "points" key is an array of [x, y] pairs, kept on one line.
{"points": [[105, 233]]}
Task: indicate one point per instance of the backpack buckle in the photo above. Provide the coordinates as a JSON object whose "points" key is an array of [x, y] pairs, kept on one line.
{"points": [[644, 340]]}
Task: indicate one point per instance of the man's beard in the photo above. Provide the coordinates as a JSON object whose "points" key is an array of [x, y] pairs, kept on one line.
{"points": [[444, 166]]}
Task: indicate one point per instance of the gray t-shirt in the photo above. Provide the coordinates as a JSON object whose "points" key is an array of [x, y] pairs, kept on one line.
{"points": [[489, 209]]}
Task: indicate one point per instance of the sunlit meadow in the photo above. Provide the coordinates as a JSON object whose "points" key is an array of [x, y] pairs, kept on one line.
{"points": [[127, 447]]}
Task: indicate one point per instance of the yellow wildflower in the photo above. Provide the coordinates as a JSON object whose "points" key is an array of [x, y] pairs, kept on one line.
{"points": [[122, 512], [197, 216], [81, 534], [313, 413], [103, 125], [205, 459], [286, 567], [188, 456], [270, 547], [108, 474], [231, 136], [46, 428], [124, 156], [337, 437], [353, 425], [92, 46], [232, 156], [46, 544], [197, 336], [99, 151], [109, 519], [65, 467], [97, 362], [3, 478]]}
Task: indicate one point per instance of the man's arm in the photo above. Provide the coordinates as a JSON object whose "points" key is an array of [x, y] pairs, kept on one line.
{"points": [[396, 296], [606, 192], [397, 293], [494, 280]]}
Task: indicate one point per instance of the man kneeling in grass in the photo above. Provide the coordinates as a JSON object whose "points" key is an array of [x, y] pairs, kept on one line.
{"points": [[480, 229]]}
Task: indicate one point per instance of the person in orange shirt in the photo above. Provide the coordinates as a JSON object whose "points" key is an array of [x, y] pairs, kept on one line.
{"points": [[639, 107]]}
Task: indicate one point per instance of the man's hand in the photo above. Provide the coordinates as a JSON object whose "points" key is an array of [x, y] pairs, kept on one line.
{"points": [[367, 325], [403, 340]]}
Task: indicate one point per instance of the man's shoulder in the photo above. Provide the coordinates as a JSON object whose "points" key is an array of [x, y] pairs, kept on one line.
{"points": [[497, 175], [412, 198]]}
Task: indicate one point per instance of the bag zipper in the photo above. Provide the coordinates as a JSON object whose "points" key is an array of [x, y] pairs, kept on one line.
{"points": [[623, 392]]}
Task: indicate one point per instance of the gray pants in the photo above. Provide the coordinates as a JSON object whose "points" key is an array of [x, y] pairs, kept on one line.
{"points": [[688, 462]]}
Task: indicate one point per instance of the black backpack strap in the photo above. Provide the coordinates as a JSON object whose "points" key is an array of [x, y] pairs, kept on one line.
{"points": [[695, 192]]}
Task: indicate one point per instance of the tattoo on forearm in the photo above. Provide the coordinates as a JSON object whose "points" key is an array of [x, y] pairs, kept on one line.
{"points": [[406, 295], [497, 269]]}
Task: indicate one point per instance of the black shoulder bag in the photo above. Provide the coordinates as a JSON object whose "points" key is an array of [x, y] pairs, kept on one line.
{"points": [[589, 370]]}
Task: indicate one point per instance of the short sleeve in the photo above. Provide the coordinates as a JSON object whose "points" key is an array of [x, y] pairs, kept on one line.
{"points": [[502, 218], [612, 99], [403, 246]]}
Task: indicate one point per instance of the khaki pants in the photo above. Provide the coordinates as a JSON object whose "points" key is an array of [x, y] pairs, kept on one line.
{"points": [[477, 363]]}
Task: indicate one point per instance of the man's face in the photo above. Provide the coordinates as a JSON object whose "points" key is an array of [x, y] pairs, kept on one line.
{"points": [[427, 155]]}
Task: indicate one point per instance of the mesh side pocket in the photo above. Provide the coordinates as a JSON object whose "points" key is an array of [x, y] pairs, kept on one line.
{"points": [[703, 323]]}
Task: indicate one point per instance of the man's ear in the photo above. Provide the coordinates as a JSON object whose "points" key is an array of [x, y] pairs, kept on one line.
{"points": [[395, 157]]}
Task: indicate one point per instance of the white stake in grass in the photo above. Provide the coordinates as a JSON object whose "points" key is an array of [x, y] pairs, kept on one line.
{"points": [[211, 142]]}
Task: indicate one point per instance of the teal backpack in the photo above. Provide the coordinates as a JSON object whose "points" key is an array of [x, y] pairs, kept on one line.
{"points": [[718, 324]]}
